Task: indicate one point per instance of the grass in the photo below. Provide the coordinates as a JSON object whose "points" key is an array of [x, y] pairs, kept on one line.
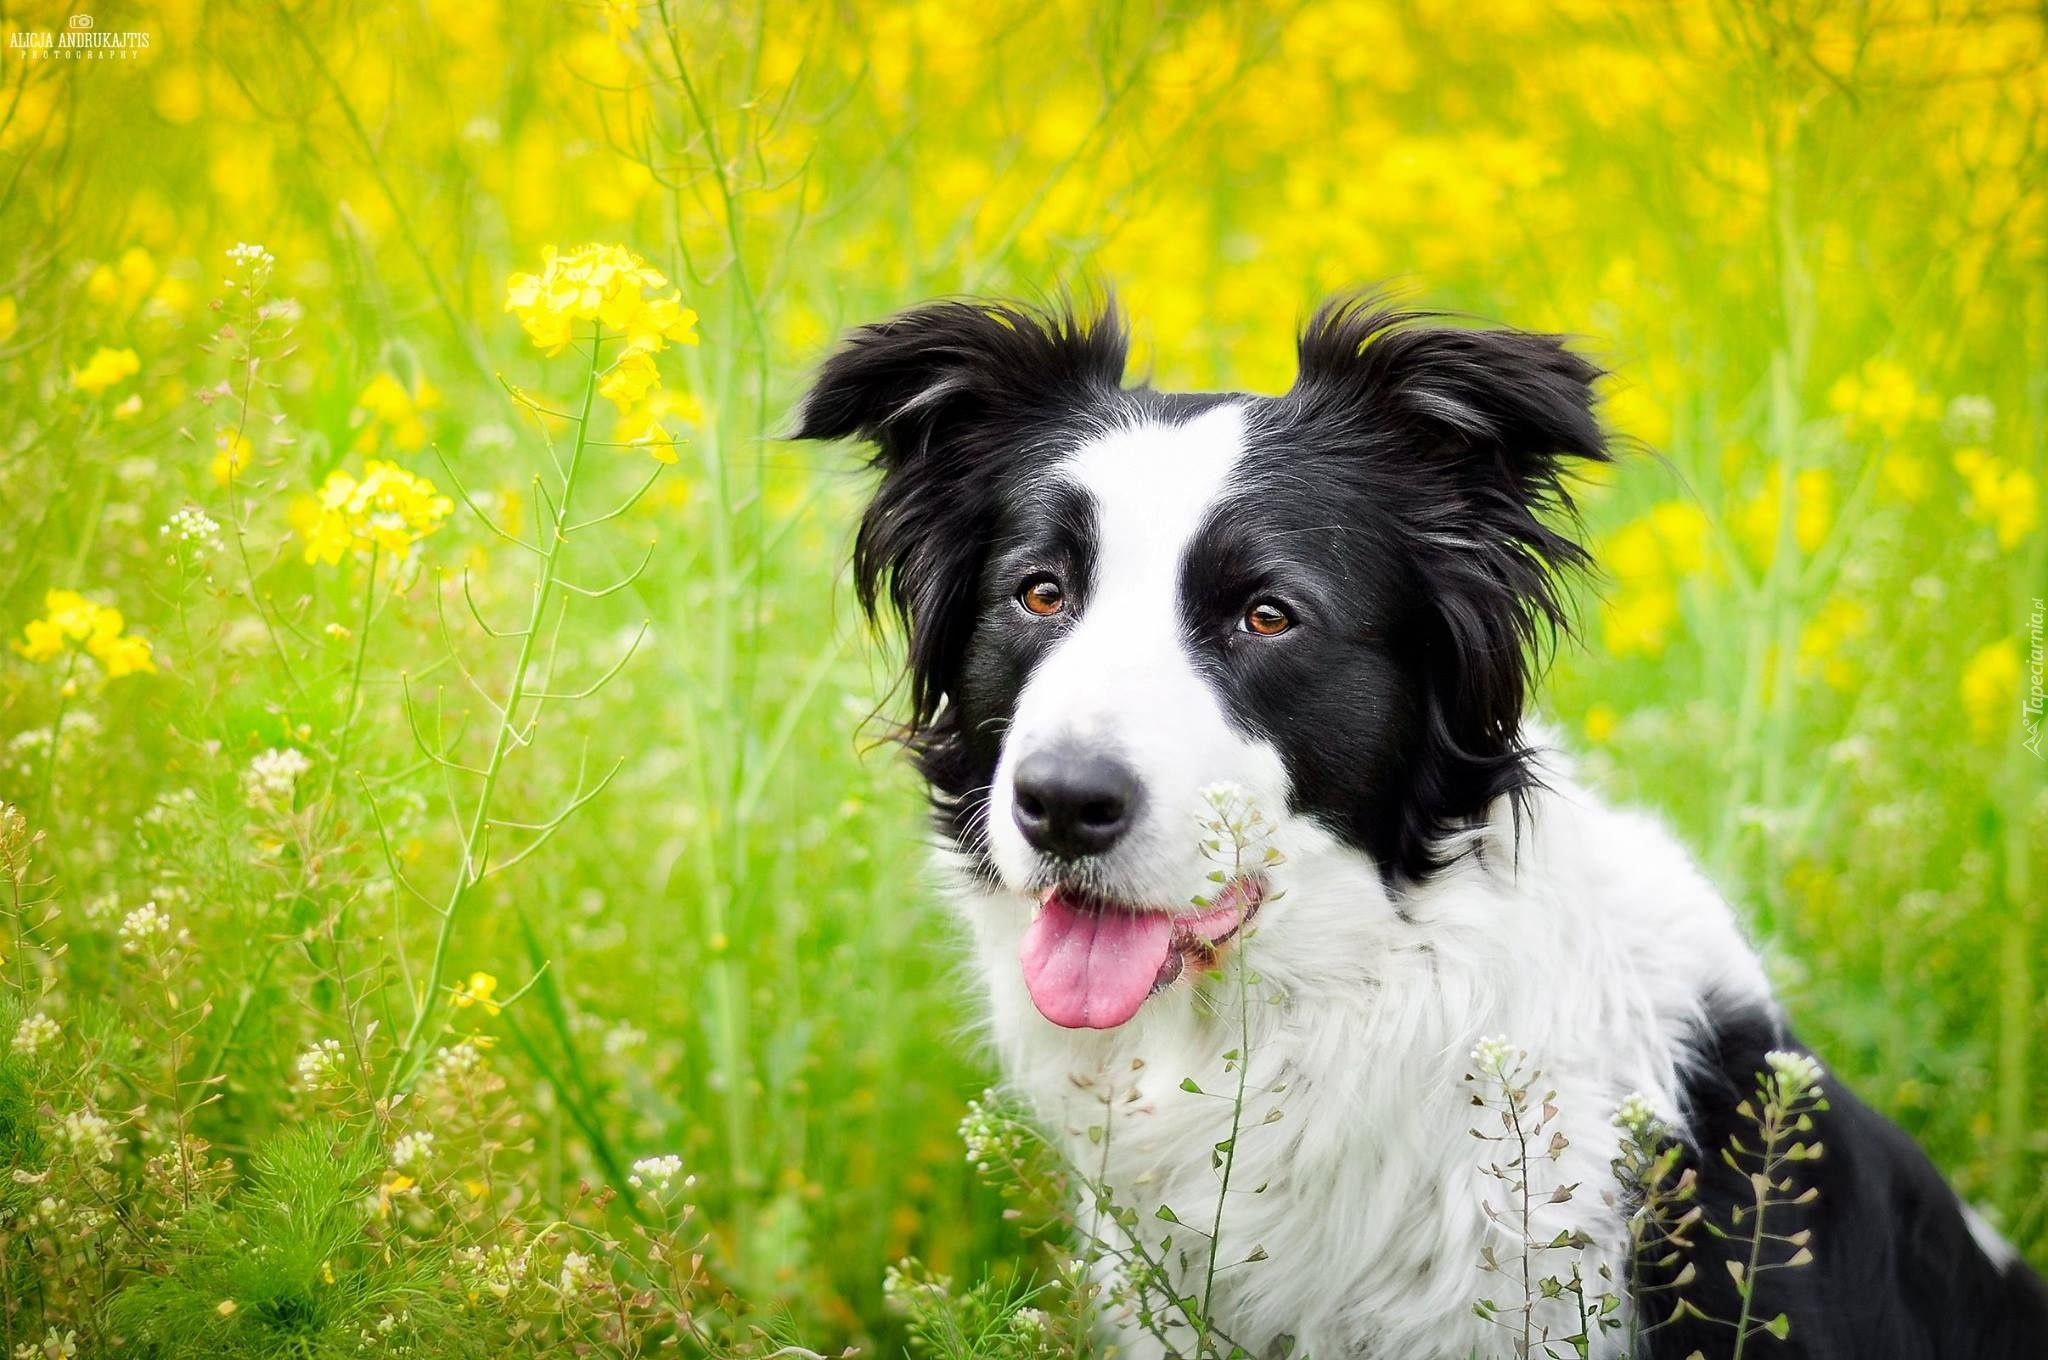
{"points": [[1806, 238]]}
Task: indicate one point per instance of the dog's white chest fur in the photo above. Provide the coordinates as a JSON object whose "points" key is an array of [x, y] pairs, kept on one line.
{"points": [[1594, 944]]}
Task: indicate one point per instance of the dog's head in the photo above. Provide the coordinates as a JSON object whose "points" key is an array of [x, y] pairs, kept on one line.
{"points": [[1116, 598]]}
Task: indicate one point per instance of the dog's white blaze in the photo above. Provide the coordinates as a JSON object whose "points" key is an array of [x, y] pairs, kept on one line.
{"points": [[1122, 678]]}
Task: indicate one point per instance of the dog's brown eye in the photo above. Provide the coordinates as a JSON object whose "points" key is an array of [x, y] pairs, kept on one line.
{"points": [[1042, 596], [1266, 619]]}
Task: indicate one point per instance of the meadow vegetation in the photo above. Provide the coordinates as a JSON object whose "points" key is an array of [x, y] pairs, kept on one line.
{"points": [[454, 898]]}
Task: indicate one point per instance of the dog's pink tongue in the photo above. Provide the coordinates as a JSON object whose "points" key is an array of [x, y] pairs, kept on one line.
{"points": [[1092, 969]]}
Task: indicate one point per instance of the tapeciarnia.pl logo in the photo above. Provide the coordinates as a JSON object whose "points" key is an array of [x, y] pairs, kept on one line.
{"points": [[79, 41], [2035, 700]]}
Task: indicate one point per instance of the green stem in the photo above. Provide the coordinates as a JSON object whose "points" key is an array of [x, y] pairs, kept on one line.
{"points": [[469, 872], [1244, 1063], [49, 799], [355, 677], [1756, 1234], [247, 323]]}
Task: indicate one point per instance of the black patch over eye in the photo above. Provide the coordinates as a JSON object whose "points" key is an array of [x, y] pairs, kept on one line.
{"points": [[1042, 594], [1266, 619]]}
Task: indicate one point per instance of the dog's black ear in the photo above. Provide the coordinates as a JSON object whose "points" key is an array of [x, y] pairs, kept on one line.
{"points": [[953, 396], [1500, 411], [897, 381], [1479, 429]]}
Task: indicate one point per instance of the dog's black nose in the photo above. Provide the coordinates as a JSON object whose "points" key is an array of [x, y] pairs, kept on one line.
{"points": [[1072, 803]]}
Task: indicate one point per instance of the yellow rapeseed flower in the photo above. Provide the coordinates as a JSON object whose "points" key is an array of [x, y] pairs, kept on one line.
{"points": [[1905, 477], [629, 379], [1639, 621], [480, 990], [395, 1186], [126, 283], [10, 318], [71, 620], [103, 285], [2007, 498], [123, 655], [104, 369], [230, 455], [395, 410], [1823, 641], [1882, 398], [1813, 512], [388, 509], [1648, 558], [609, 285], [648, 424], [1601, 724], [1991, 687]]}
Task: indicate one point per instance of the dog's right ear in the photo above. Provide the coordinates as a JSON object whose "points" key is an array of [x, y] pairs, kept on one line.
{"points": [[896, 382], [953, 396]]}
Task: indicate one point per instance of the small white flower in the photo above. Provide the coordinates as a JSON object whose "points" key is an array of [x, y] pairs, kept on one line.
{"points": [[143, 927], [35, 1032], [253, 258], [273, 777], [907, 1283], [1493, 1053], [1225, 794], [575, 1272], [171, 807], [1797, 1073], [1969, 418], [1235, 832], [623, 1038], [1635, 1115], [194, 527], [497, 1269], [655, 1173], [323, 1066], [987, 1135], [413, 1151], [89, 1135], [460, 1060]]}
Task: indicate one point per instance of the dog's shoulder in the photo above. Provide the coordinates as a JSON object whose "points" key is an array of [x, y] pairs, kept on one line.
{"points": [[1890, 1261]]}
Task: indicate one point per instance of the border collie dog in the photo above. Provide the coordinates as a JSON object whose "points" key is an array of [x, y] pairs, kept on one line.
{"points": [[1115, 600]]}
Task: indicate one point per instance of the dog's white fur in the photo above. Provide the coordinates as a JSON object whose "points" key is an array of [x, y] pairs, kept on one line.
{"points": [[1586, 937]]}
